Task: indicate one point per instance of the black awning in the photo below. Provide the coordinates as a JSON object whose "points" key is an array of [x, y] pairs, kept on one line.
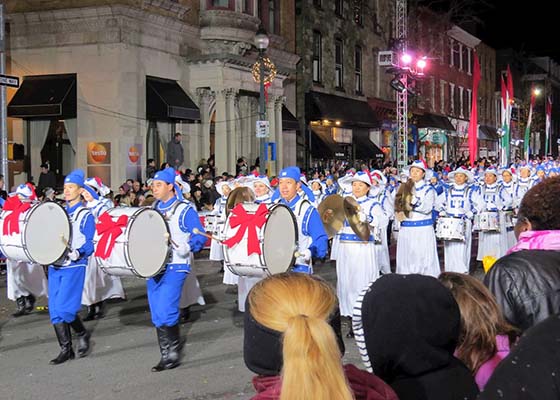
{"points": [[323, 145], [165, 100], [365, 148], [45, 96], [350, 112], [434, 121], [486, 132], [289, 122]]}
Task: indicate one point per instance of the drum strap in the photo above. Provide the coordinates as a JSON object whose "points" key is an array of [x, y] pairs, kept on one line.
{"points": [[306, 216]]}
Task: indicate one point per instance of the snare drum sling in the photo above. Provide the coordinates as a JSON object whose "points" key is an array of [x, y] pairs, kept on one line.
{"points": [[164, 289], [66, 279]]}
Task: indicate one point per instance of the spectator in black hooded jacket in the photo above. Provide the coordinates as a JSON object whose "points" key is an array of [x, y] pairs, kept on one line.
{"points": [[526, 282]]}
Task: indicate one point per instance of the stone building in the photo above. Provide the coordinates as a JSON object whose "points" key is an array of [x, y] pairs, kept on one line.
{"points": [[107, 84], [338, 42]]}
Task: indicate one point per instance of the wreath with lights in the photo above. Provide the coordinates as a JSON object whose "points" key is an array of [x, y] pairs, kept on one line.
{"points": [[269, 70]]}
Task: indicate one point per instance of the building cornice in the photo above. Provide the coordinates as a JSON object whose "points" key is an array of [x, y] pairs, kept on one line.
{"points": [[463, 36]]}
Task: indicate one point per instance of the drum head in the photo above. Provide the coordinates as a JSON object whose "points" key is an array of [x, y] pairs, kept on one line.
{"points": [[148, 242], [47, 233], [280, 238]]}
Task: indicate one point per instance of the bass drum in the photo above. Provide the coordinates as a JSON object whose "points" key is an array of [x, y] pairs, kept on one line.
{"points": [[44, 234], [142, 249], [277, 238]]}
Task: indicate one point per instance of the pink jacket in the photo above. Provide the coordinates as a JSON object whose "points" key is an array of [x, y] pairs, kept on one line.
{"points": [[487, 369]]}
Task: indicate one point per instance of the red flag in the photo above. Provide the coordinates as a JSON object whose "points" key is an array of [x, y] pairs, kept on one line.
{"points": [[504, 95], [473, 123], [509, 84]]}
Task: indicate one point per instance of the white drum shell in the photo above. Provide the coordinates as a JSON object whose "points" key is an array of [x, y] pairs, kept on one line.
{"points": [[448, 228], [44, 232], [489, 221], [277, 241], [142, 249]]}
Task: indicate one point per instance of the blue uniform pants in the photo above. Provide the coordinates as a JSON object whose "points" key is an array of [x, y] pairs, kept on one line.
{"points": [[65, 292], [164, 294]]}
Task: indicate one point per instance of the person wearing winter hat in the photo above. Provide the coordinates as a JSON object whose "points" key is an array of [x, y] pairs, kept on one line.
{"points": [[356, 261], [66, 279], [407, 329], [292, 342], [262, 189], [313, 240], [25, 281], [509, 185], [98, 285], [492, 241], [416, 247], [458, 201], [164, 289]]}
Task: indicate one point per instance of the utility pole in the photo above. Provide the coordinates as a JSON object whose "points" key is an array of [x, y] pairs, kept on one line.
{"points": [[3, 114]]}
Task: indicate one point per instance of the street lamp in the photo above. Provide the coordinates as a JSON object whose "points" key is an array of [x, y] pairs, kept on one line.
{"points": [[261, 42]]}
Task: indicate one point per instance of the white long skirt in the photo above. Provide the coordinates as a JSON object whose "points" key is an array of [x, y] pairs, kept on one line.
{"points": [[382, 253], [244, 286], [417, 251], [191, 293], [458, 254], [99, 286], [216, 251], [25, 278], [356, 267], [229, 277], [334, 246]]}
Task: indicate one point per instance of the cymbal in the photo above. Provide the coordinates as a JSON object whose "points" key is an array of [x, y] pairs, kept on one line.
{"points": [[331, 211], [238, 195], [351, 209]]}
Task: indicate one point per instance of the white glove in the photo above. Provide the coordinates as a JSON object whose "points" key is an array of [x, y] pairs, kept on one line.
{"points": [[183, 249], [490, 206], [414, 201], [469, 214], [442, 213], [74, 255], [362, 217], [306, 254]]}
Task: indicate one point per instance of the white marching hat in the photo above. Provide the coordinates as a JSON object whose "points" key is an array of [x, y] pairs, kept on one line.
{"points": [[362, 176], [96, 183], [379, 177], [220, 187], [491, 170], [461, 170], [261, 179]]}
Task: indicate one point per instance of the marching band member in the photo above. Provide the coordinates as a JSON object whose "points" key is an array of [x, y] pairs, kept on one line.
{"points": [[98, 285], [356, 262], [540, 174], [313, 240], [509, 185], [164, 289], [261, 188], [524, 183], [25, 281], [416, 246], [318, 189], [457, 202], [493, 198], [219, 213], [331, 186], [66, 280], [386, 200]]}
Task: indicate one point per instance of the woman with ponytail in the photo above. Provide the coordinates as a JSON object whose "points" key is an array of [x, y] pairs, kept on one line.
{"points": [[293, 342]]}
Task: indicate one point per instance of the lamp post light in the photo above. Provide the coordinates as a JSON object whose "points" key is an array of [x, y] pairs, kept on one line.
{"points": [[261, 42]]}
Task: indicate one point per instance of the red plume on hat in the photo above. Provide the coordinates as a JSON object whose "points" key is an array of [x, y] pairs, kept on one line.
{"points": [[32, 189], [369, 175]]}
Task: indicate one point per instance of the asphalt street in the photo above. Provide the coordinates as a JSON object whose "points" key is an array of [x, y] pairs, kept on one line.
{"points": [[125, 348]]}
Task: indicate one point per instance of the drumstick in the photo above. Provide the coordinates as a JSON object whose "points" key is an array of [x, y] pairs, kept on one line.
{"points": [[66, 244], [199, 232], [166, 235]]}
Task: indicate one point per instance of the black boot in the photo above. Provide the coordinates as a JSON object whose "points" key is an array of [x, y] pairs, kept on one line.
{"points": [[29, 303], [90, 313], [20, 303], [169, 343], [64, 337], [100, 310], [83, 337]]}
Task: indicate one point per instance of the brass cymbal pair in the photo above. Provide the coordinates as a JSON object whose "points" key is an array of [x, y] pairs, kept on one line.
{"points": [[335, 209]]}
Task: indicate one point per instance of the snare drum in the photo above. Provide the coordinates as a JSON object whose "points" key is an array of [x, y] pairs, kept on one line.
{"points": [[489, 221], [33, 243], [202, 216], [449, 228], [142, 249], [509, 219], [277, 242]]}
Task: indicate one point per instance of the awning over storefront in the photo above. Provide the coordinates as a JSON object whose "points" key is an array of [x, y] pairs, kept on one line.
{"points": [[486, 132], [323, 145], [433, 121], [289, 122], [165, 100], [365, 148], [45, 97], [384, 109], [350, 112]]}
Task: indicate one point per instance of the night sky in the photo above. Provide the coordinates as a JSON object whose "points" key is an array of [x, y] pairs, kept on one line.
{"points": [[531, 26]]}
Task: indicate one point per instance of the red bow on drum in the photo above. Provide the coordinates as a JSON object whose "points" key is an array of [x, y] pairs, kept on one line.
{"points": [[11, 221], [108, 231], [247, 223]]}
